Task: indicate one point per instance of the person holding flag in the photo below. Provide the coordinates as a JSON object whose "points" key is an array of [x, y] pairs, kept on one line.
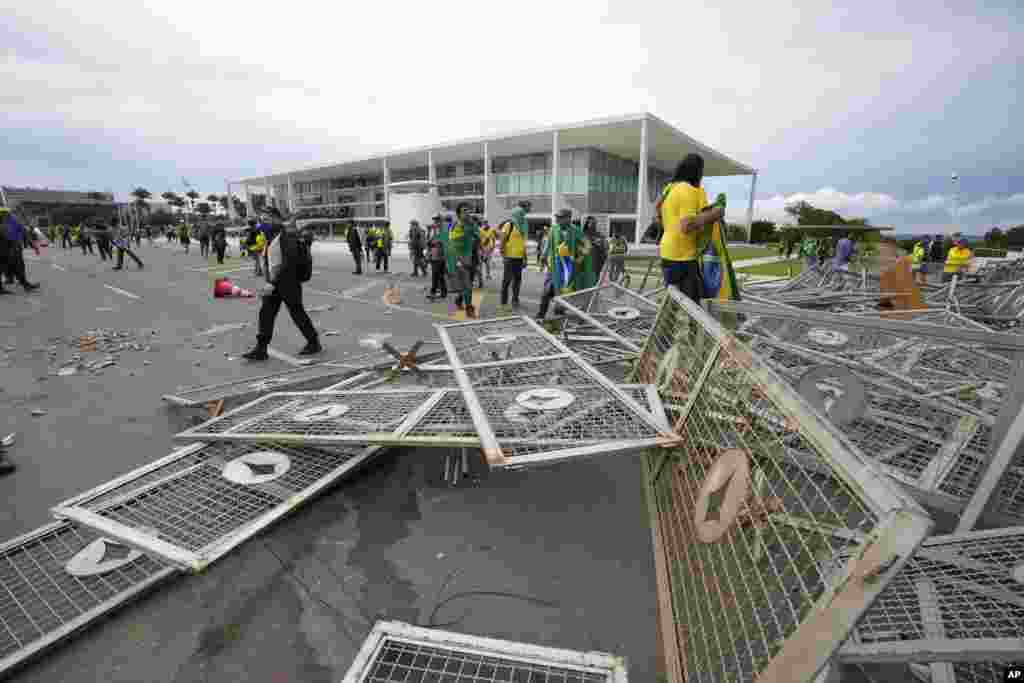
{"points": [[686, 219], [563, 248]]}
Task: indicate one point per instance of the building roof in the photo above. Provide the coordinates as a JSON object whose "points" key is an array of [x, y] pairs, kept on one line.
{"points": [[618, 135]]}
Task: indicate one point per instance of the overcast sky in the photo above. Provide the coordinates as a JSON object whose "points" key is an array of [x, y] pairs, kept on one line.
{"points": [[866, 109]]}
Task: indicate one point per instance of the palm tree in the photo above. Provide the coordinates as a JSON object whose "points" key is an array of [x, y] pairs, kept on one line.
{"points": [[141, 194], [204, 209], [192, 196]]}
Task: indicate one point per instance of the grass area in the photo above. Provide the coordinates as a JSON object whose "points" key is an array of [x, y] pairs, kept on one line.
{"points": [[780, 269], [740, 253]]}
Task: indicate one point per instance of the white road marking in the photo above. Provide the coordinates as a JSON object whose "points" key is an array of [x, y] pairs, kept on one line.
{"points": [[58, 266], [229, 270], [362, 289], [336, 295], [122, 292], [281, 355]]}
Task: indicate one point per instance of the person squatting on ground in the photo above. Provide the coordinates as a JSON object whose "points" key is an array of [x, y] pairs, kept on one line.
{"points": [[436, 253], [513, 252], [685, 215], [122, 242], [287, 263], [355, 245], [417, 244], [462, 245], [14, 237]]}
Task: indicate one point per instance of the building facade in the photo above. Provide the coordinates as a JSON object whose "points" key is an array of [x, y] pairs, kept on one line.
{"points": [[43, 207], [613, 169]]}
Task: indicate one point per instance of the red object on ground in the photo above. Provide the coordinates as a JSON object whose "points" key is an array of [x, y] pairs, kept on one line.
{"points": [[225, 288]]}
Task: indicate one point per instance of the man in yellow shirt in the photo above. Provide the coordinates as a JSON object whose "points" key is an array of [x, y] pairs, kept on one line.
{"points": [[958, 259], [684, 215], [513, 249]]}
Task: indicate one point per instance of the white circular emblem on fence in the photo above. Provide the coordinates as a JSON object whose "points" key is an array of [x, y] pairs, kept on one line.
{"points": [[824, 337], [623, 313], [545, 399], [497, 339], [328, 411], [731, 475], [100, 557], [842, 404], [257, 467]]}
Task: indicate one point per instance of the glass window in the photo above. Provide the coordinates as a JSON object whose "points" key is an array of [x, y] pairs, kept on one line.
{"points": [[473, 168], [519, 164], [579, 161], [538, 162], [499, 165]]}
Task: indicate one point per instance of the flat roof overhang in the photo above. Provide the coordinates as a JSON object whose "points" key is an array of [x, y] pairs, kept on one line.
{"points": [[618, 135]]}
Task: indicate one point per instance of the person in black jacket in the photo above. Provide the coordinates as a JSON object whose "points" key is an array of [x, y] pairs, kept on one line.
{"points": [[283, 286], [219, 237], [355, 245], [122, 241], [102, 232]]}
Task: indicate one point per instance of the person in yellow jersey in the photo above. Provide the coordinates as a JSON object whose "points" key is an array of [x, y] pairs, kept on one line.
{"points": [[917, 256], [488, 240], [684, 216], [958, 259], [513, 250]]}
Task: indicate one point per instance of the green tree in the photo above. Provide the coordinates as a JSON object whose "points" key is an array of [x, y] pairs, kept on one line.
{"points": [[1015, 237], [161, 219], [996, 238], [806, 214], [762, 232]]}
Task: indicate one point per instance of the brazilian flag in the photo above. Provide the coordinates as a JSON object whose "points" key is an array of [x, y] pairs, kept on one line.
{"points": [[718, 274]]}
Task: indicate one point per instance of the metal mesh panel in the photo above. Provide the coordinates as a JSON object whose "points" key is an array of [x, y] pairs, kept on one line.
{"points": [[612, 309], [959, 600], [598, 350], [395, 652], [577, 411], [186, 509], [308, 378], [41, 603], [939, 401], [498, 340], [319, 417], [754, 513]]}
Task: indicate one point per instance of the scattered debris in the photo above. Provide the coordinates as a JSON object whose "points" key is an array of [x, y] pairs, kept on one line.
{"points": [[331, 333], [320, 309], [38, 412], [8, 440], [68, 370]]}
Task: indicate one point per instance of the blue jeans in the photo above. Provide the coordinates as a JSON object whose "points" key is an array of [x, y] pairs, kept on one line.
{"points": [[684, 276]]}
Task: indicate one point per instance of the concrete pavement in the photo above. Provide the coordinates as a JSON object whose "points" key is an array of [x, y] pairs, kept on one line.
{"points": [[294, 604]]}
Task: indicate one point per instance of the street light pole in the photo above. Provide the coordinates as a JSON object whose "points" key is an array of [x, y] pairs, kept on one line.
{"points": [[955, 179]]}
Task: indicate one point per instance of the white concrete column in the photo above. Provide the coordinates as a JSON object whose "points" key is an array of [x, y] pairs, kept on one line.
{"points": [[266, 183], [555, 170], [249, 206], [231, 205], [291, 194], [387, 192], [431, 170], [642, 219], [487, 183], [750, 205]]}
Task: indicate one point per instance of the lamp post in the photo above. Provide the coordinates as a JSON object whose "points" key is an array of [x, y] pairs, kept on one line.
{"points": [[955, 179]]}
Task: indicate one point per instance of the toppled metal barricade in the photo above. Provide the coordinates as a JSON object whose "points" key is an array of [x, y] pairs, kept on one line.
{"points": [[937, 408], [762, 504]]}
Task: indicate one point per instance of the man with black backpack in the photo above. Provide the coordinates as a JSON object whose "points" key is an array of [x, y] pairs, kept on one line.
{"points": [[288, 263]]}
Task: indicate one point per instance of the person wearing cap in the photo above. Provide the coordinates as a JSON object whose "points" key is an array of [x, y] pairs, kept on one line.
{"points": [[488, 241], [463, 241], [958, 259], [562, 250], [685, 215]]}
